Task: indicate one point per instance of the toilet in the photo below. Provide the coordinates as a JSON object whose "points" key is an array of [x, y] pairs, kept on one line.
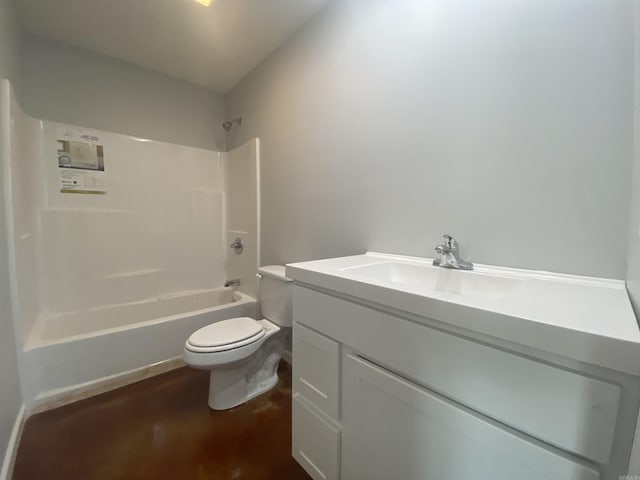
{"points": [[242, 353]]}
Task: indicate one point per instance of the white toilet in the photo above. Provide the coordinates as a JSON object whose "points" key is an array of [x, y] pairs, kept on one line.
{"points": [[243, 353]]}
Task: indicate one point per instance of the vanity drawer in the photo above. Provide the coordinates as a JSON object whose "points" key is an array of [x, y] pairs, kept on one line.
{"points": [[316, 441], [316, 369], [560, 407]]}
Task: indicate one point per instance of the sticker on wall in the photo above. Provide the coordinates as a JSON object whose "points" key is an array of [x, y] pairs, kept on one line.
{"points": [[80, 163]]}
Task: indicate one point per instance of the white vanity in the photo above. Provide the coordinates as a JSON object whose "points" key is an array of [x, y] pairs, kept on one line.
{"points": [[407, 371]]}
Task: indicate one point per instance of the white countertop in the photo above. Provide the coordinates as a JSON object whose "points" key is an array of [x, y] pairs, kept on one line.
{"points": [[581, 318]]}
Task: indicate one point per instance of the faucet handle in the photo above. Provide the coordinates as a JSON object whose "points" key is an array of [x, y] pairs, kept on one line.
{"points": [[449, 240]]}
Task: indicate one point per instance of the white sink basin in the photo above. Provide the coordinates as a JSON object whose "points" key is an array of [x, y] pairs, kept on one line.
{"points": [[586, 319], [463, 283]]}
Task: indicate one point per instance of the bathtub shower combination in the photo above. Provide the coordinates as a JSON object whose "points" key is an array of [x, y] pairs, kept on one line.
{"points": [[117, 259]]}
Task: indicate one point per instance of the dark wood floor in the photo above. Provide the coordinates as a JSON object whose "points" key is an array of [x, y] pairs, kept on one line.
{"points": [[162, 428]]}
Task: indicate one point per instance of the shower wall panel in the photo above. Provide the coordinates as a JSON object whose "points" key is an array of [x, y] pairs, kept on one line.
{"points": [[157, 229]]}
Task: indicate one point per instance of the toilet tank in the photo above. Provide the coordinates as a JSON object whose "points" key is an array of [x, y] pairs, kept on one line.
{"points": [[275, 295]]}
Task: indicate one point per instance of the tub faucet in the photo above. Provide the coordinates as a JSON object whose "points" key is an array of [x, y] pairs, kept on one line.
{"points": [[232, 283], [450, 255]]}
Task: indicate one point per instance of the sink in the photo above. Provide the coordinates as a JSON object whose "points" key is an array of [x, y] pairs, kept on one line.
{"points": [[586, 319], [461, 283]]}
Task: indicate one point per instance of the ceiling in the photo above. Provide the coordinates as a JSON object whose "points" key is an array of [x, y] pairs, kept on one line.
{"points": [[212, 46]]}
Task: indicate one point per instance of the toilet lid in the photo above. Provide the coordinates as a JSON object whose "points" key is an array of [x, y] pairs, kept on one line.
{"points": [[226, 332]]}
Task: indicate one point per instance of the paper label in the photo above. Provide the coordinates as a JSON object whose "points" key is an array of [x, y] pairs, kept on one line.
{"points": [[80, 163]]}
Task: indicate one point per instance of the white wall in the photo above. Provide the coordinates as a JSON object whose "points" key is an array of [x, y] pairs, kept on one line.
{"points": [[10, 397], [633, 259], [76, 86], [10, 43], [507, 124]]}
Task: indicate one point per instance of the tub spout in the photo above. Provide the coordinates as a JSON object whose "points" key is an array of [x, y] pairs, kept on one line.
{"points": [[232, 283]]}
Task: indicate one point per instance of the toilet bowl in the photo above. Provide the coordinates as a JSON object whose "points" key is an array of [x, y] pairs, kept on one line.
{"points": [[242, 353]]}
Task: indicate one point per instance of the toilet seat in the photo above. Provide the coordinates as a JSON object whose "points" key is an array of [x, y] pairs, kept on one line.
{"points": [[209, 357], [226, 335]]}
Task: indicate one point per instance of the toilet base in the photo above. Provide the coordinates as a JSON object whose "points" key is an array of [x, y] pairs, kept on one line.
{"points": [[235, 384]]}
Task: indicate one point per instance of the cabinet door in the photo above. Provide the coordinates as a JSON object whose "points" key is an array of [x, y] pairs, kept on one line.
{"points": [[392, 428]]}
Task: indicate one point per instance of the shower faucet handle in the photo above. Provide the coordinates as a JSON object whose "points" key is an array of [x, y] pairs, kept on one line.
{"points": [[237, 245]]}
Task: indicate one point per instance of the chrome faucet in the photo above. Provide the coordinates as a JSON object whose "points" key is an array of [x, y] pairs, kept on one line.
{"points": [[237, 245], [450, 255], [232, 283]]}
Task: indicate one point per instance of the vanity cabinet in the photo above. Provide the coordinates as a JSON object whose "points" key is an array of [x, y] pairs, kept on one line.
{"points": [[379, 395]]}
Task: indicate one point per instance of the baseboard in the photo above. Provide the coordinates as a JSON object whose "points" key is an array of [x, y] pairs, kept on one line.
{"points": [[63, 396], [12, 448]]}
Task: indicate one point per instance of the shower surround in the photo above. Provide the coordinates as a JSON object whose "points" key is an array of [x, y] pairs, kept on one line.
{"points": [[106, 283]]}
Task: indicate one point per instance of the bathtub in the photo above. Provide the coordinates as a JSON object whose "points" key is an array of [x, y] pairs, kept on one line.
{"points": [[67, 351]]}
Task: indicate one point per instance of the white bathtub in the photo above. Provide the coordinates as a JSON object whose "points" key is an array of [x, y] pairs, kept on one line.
{"points": [[69, 349]]}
